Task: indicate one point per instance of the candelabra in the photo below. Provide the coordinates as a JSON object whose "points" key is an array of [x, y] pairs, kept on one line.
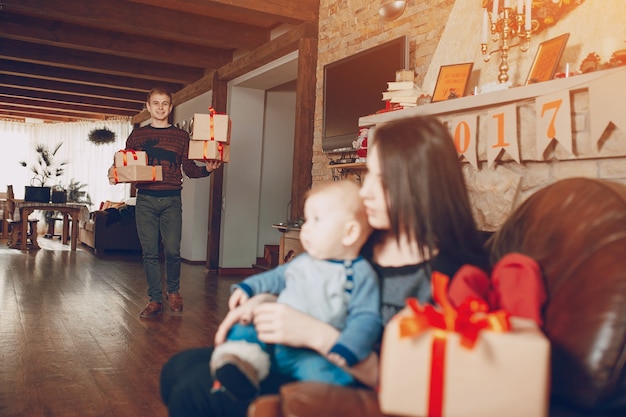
{"points": [[504, 24]]}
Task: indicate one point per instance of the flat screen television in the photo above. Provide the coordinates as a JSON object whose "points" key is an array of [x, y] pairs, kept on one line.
{"points": [[353, 88]]}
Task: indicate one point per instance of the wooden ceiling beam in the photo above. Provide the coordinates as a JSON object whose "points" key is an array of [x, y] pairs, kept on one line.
{"points": [[88, 61], [41, 113], [288, 11], [268, 52], [47, 32], [76, 89], [23, 116], [66, 107], [25, 69], [140, 19], [54, 97]]}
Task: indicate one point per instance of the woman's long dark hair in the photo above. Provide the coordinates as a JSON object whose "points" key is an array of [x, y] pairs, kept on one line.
{"points": [[426, 190]]}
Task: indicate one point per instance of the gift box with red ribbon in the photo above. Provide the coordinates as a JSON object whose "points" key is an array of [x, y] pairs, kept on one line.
{"points": [[126, 157], [205, 150], [211, 126], [462, 361], [135, 173]]}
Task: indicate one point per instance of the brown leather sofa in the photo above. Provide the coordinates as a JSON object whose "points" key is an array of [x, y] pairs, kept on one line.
{"points": [[110, 229], [576, 230]]}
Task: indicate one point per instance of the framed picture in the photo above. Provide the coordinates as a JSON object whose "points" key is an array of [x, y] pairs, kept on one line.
{"points": [[452, 81], [546, 60]]}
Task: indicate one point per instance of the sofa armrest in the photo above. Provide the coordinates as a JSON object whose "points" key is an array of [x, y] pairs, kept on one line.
{"points": [[97, 213], [266, 406], [315, 399]]}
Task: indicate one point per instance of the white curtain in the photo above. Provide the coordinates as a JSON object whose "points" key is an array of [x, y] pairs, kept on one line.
{"points": [[87, 162]]}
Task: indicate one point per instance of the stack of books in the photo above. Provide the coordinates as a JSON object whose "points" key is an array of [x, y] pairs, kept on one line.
{"points": [[403, 92]]}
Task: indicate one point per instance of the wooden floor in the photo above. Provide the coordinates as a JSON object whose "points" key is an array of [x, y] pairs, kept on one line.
{"points": [[71, 341]]}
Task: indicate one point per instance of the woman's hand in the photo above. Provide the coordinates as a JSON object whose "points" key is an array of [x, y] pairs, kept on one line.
{"points": [[241, 314], [279, 323]]}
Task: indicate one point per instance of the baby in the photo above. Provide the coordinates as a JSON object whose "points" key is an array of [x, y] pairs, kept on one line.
{"points": [[330, 282]]}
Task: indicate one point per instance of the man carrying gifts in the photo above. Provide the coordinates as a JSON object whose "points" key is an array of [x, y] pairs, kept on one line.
{"points": [[159, 205]]}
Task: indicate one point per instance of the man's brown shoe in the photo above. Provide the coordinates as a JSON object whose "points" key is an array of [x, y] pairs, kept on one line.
{"points": [[176, 302], [151, 310]]}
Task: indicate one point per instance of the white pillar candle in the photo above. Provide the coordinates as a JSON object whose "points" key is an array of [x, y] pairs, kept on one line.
{"points": [[494, 12], [528, 18], [520, 6], [507, 3], [483, 37]]}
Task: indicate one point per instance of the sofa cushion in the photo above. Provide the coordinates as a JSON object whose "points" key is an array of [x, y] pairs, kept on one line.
{"points": [[576, 230]]}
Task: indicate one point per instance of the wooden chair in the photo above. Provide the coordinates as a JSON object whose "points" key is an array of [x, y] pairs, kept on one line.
{"points": [[4, 215], [15, 227]]}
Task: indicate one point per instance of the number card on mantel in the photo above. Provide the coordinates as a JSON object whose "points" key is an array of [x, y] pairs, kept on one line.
{"points": [[553, 122], [502, 133]]}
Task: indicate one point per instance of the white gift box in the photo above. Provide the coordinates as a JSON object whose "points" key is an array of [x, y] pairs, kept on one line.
{"points": [[504, 374], [204, 150], [211, 126], [130, 157], [135, 173]]}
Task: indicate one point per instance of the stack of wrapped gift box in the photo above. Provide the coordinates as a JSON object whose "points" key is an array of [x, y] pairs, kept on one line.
{"points": [[210, 137], [132, 166]]}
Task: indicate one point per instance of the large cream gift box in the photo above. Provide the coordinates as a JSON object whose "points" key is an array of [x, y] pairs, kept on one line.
{"points": [[211, 126], [126, 157], [504, 373], [135, 173], [204, 150]]}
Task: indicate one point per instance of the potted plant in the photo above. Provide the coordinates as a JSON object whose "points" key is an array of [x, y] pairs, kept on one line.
{"points": [[45, 168], [73, 194]]}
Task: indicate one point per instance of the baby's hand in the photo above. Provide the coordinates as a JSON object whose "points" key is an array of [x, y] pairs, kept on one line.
{"points": [[237, 298]]}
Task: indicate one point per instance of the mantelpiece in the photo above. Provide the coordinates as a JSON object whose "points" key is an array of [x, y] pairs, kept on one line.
{"points": [[590, 139], [493, 98]]}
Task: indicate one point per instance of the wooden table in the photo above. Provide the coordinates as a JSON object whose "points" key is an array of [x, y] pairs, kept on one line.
{"points": [[70, 211]]}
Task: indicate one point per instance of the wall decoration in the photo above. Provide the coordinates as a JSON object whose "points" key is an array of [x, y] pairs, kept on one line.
{"points": [[452, 81], [101, 136], [547, 59], [502, 133], [545, 13], [464, 134], [553, 122]]}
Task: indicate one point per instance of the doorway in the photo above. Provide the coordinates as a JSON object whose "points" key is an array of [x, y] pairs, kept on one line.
{"points": [[257, 181]]}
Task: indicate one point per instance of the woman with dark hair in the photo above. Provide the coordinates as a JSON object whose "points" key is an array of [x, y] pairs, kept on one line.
{"points": [[416, 200]]}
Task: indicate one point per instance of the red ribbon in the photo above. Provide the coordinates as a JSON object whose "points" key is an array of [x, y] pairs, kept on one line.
{"points": [[125, 152], [468, 320], [220, 151], [212, 122]]}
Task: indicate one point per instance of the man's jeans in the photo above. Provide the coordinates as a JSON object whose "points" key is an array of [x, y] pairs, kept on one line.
{"points": [[162, 215]]}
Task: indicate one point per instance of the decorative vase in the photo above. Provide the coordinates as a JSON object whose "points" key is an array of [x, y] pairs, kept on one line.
{"points": [[37, 194], [58, 196]]}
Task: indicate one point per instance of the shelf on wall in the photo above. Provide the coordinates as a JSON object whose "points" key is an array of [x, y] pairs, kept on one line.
{"points": [[352, 165]]}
